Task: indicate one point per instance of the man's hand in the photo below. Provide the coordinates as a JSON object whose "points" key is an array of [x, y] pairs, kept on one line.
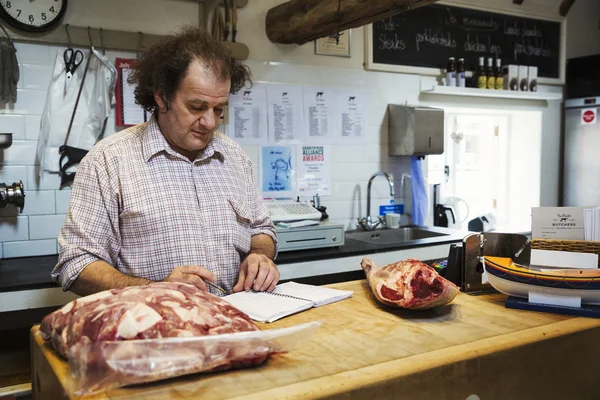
{"points": [[257, 272], [192, 274]]}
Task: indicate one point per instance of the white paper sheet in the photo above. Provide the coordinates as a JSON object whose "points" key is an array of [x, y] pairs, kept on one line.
{"points": [[284, 114], [314, 170], [319, 115], [351, 115], [248, 115]]}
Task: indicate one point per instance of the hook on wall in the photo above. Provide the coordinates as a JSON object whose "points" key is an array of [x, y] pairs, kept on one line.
{"points": [[139, 46], [68, 35], [102, 41], [89, 30]]}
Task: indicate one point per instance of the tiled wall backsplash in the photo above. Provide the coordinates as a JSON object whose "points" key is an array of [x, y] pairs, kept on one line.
{"points": [[34, 232]]}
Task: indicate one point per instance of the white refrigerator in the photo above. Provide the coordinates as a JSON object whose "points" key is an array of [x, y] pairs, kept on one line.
{"points": [[581, 157]]}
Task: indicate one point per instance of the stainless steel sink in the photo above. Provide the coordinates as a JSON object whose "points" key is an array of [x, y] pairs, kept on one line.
{"points": [[392, 236]]}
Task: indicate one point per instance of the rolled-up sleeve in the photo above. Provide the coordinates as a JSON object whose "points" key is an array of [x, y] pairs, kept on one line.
{"points": [[91, 229], [261, 221]]}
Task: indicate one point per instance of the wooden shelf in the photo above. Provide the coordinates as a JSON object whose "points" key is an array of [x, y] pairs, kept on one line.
{"points": [[497, 94]]}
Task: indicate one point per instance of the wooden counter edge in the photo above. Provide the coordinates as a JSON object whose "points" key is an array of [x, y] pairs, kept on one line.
{"points": [[348, 381]]}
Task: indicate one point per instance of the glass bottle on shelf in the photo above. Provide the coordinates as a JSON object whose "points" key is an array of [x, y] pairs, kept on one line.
{"points": [[491, 75]]}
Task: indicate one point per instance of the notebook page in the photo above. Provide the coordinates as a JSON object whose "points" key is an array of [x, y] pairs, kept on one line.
{"points": [[265, 307], [319, 295]]}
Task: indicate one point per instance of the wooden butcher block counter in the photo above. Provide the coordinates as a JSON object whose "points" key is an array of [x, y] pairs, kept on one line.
{"points": [[474, 346]]}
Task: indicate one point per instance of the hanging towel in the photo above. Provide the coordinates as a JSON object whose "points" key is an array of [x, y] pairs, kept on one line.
{"points": [[419, 192], [9, 71]]}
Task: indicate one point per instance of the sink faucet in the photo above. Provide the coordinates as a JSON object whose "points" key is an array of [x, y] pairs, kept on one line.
{"points": [[367, 223]]}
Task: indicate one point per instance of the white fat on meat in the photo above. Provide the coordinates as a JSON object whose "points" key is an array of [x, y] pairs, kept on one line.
{"points": [[136, 320], [68, 307], [167, 293], [94, 297], [184, 314]]}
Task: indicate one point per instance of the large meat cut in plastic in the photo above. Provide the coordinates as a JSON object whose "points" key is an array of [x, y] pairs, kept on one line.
{"points": [[146, 333], [409, 284]]}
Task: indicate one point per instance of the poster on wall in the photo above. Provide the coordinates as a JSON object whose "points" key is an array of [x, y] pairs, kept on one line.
{"points": [[284, 111], [128, 112], [314, 170], [248, 115], [278, 171], [319, 116], [351, 115]]}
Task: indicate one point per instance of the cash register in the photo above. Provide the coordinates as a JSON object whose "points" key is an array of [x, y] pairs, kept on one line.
{"points": [[299, 226]]}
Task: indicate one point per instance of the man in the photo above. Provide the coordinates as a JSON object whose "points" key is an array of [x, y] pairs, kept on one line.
{"points": [[171, 199]]}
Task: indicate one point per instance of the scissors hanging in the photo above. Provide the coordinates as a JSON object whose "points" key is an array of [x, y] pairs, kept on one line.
{"points": [[73, 58]]}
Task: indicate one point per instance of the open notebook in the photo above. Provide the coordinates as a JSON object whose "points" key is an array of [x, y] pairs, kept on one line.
{"points": [[287, 299]]}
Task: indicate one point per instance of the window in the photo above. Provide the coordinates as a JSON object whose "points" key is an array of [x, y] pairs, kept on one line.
{"points": [[491, 164]]}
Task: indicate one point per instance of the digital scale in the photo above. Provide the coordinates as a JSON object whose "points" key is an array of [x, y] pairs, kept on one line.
{"points": [[310, 237]]}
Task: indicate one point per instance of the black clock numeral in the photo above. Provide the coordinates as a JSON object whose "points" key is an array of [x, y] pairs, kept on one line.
{"points": [[19, 13], [31, 19], [51, 9], [44, 16], [8, 4]]}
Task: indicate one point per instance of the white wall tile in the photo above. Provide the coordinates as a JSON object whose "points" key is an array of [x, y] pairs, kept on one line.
{"points": [[32, 126], [63, 197], [39, 202], [29, 53], [36, 76], [29, 248], [14, 229], [14, 124], [45, 226], [47, 181], [29, 101], [11, 174], [22, 152]]}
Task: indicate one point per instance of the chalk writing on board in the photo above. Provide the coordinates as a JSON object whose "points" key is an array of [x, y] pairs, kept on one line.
{"points": [[428, 36]]}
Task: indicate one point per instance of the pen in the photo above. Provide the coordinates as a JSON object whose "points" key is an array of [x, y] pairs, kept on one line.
{"points": [[220, 289]]}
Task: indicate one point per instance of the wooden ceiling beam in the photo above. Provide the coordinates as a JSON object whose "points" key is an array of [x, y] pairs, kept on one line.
{"points": [[565, 6], [301, 21]]}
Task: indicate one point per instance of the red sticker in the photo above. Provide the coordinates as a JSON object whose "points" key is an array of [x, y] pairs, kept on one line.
{"points": [[588, 116]]}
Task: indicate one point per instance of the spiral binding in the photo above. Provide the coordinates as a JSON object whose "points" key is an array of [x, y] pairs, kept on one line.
{"points": [[283, 295]]}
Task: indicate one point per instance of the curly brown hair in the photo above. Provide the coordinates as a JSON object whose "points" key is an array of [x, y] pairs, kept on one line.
{"points": [[164, 66]]}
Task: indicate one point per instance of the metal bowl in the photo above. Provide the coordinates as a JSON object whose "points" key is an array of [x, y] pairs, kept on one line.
{"points": [[5, 140]]}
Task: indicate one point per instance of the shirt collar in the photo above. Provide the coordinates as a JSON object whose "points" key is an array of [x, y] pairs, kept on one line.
{"points": [[154, 142]]}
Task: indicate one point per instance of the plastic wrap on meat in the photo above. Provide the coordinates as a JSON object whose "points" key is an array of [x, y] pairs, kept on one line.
{"points": [[409, 284], [164, 309], [84, 329]]}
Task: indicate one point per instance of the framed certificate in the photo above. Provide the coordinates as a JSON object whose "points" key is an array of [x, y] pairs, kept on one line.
{"points": [[328, 46]]}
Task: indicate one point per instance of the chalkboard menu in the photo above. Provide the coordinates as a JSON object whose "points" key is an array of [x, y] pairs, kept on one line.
{"points": [[428, 36]]}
